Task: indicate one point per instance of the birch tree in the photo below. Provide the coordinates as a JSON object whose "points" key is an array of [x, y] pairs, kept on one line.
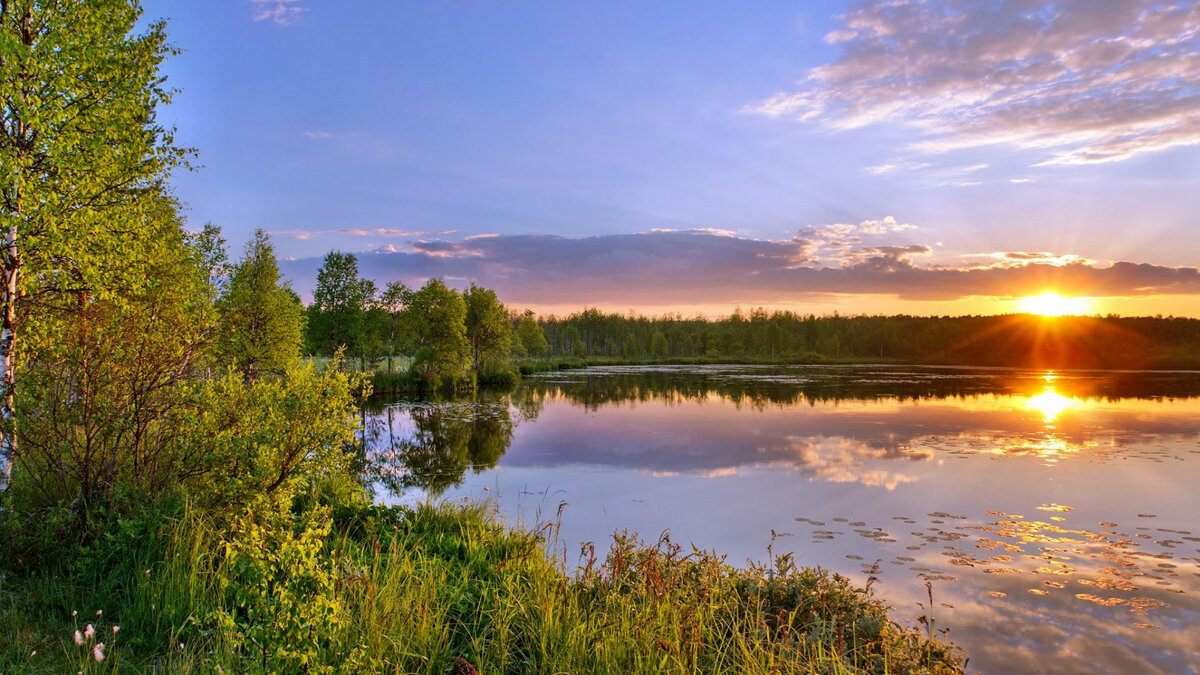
{"points": [[82, 160]]}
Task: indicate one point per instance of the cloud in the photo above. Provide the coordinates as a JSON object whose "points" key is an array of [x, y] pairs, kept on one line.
{"points": [[882, 169], [1079, 81], [316, 135], [306, 235], [282, 12], [695, 268]]}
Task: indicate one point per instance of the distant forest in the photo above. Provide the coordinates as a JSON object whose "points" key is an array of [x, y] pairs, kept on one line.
{"points": [[444, 331], [1006, 340]]}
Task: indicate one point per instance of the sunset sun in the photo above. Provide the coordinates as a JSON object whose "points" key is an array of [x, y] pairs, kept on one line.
{"points": [[1053, 304]]}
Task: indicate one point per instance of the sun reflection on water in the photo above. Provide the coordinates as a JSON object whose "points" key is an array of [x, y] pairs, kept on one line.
{"points": [[1050, 404]]}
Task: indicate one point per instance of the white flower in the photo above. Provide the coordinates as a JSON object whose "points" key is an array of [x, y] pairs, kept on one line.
{"points": [[99, 612], [116, 629], [74, 612], [98, 652], [33, 653], [89, 632], [78, 638]]}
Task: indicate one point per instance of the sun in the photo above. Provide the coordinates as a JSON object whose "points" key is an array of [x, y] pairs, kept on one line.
{"points": [[1053, 304]]}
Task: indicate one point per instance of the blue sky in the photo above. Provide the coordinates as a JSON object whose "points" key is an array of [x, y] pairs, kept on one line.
{"points": [[879, 156]]}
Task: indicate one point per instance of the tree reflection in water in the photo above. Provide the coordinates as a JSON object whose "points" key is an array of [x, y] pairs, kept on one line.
{"points": [[431, 445]]}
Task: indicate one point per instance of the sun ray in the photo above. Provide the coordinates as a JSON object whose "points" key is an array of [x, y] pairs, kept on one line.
{"points": [[1052, 304]]}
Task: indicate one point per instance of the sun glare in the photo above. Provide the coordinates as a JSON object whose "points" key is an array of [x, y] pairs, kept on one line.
{"points": [[1049, 403], [1053, 304]]}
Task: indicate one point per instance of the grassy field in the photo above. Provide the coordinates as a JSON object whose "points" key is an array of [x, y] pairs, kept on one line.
{"points": [[435, 589]]}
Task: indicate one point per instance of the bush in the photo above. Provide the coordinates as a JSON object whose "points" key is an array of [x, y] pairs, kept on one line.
{"points": [[499, 379]]}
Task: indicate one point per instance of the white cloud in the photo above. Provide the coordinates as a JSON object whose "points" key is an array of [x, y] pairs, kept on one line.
{"points": [[1079, 81], [282, 12], [317, 135]]}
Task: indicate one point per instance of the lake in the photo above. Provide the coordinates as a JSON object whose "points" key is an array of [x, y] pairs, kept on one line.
{"points": [[1053, 518]]}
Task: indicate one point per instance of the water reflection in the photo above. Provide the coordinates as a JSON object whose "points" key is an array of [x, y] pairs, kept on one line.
{"points": [[1050, 403], [1054, 512], [431, 445]]}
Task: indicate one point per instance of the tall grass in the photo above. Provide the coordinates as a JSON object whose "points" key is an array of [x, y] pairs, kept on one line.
{"points": [[440, 589]]}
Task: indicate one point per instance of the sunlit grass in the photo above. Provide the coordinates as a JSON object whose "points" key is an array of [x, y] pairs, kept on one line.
{"points": [[444, 589]]}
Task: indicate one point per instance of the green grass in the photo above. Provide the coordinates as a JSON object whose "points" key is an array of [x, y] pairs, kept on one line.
{"points": [[437, 590]]}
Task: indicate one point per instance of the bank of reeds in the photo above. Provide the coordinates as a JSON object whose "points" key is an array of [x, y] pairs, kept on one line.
{"points": [[539, 365], [435, 590]]}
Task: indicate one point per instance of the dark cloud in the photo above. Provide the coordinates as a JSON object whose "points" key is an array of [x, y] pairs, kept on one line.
{"points": [[691, 268]]}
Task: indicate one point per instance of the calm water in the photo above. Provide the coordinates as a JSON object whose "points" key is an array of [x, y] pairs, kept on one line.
{"points": [[1055, 515]]}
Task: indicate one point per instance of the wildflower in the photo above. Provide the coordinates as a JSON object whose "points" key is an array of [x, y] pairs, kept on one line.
{"points": [[89, 632], [78, 638], [33, 653], [74, 612], [180, 646], [99, 612], [116, 629], [98, 652]]}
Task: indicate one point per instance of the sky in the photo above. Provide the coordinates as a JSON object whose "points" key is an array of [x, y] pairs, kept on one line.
{"points": [[880, 156]]}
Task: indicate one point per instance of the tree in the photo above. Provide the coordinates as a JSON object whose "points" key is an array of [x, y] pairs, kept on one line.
{"points": [[488, 329], [340, 302], [393, 301], [100, 413], [437, 315], [82, 158], [530, 334], [259, 331], [658, 344]]}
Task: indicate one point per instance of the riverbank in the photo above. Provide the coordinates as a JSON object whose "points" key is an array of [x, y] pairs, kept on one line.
{"points": [[440, 589]]}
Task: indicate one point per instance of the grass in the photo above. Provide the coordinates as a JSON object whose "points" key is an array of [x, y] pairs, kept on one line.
{"points": [[437, 589]]}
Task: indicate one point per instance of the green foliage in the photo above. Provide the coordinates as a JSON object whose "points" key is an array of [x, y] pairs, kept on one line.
{"points": [[99, 404], [338, 315], [260, 328], [270, 436], [530, 336], [82, 161], [378, 589], [787, 337], [658, 344], [487, 327], [437, 315], [392, 302], [283, 612]]}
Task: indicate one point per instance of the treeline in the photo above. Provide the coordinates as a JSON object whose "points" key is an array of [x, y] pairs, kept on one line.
{"points": [[447, 335], [1006, 340], [449, 339]]}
